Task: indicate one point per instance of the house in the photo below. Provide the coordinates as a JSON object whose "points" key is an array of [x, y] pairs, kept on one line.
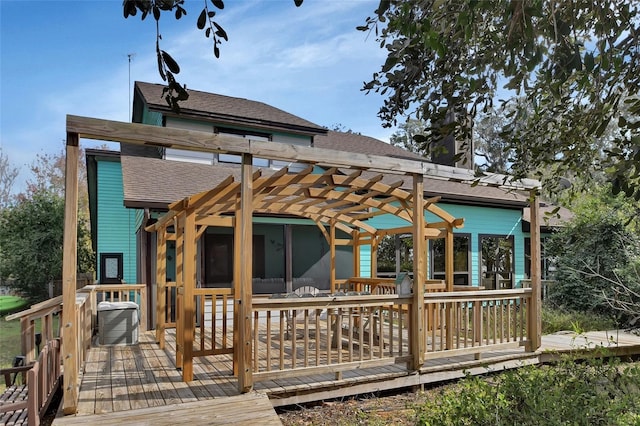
{"points": [[130, 189]]}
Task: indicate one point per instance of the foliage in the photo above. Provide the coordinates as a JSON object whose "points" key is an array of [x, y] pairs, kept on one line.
{"points": [[31, 235], [8, 175], [387, 254], [598, 391], [168, 67], [554, 320], [404, 137], [597, 249], [490, 144], [574, 64]]}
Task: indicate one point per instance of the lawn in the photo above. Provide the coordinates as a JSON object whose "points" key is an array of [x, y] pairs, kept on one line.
{"points": [[11, 304]]}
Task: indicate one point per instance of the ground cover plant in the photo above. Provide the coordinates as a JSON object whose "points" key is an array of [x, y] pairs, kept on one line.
{"points": [[600, 391]]}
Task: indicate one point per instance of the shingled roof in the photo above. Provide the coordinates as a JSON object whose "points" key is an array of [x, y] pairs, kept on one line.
{"points": [[225, 109], [155, 183]]}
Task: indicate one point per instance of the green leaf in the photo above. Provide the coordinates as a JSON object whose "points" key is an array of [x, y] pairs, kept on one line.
{"points": [[202, 19], [171, 64], [220, 32], [218, 3], [298, 3], [589, 62]]}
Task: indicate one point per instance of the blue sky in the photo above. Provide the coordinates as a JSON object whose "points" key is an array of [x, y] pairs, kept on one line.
{"points": [[70, 57]]}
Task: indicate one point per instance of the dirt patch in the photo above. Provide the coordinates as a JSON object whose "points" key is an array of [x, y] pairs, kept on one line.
{"points": [[383, 409]]}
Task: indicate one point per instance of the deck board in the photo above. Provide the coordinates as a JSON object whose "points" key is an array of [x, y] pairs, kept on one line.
{"points": [[144, 377], [248, 409]]}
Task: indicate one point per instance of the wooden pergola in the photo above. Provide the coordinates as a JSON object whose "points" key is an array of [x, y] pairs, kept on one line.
{"points": [[333, 200], [336, 199]]}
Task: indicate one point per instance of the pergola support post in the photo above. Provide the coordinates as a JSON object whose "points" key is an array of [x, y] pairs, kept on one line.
{"points": [[288, 258], [449, 276], [332, 255], [374, 256], [161, 283], [244, 303], [188, 300], [71, 363], [355, 235], [534, 332], [417, 335], [179, 224]]}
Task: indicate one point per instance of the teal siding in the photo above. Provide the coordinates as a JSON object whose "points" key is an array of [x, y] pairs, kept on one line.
{"points": [[116, 225], [477, 221], [151, 117]]}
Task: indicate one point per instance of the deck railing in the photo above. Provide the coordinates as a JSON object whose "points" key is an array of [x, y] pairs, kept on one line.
{"points": [[475, 321], [43, 379], [214, 321], [45, 312], [313, 335]]}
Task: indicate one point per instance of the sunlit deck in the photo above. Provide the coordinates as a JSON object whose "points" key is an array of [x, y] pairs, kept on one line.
{"points": [[125, 378]]}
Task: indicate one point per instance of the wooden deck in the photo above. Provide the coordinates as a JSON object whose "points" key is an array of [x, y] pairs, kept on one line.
{"points": [[142, 380]]}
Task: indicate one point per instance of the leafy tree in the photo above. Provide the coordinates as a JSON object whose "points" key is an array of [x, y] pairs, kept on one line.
{"points": [[598, 250], [8, 175], [575, 64], [404, 137], [31, 234], [168, 67], [491, 147], [387, 253]]}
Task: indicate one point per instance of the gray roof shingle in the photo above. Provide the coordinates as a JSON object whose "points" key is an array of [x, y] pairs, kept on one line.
{"points": [[228, 109]]}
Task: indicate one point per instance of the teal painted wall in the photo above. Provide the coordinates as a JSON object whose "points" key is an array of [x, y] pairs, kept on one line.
{"points": [[477, 221], [151, 117], [487, 220], [116, 225]]}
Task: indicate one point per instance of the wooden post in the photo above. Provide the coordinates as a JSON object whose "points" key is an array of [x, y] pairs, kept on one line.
{"points": [[374, 256], [355, 234], [69, 271], [179, 223], [288, 258], [161, 280], [534, 336], [188, 301], [448, 273], [245, 376], [332, 255], [417, 340], [396, 240]]}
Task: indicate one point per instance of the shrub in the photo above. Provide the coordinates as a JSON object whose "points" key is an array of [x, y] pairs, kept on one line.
{"points": [[596, 392]]}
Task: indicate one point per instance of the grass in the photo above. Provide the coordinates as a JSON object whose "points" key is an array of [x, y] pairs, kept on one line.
{"points": [[554, 320], [11, 304], [9, 341]]}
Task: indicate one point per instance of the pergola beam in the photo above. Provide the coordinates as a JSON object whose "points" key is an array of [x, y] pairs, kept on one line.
{"points": [[166, 137]]}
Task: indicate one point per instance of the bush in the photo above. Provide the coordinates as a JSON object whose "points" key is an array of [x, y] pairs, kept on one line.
{"points": [[596, 254], [596, 392]]}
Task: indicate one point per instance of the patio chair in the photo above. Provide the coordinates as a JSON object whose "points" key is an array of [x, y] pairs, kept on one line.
{"points": [[298, 318]]}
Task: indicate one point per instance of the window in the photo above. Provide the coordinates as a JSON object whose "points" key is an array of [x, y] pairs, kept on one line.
{"points": [[547, 265], [496, 260], [461, 257], [111, 268], [218, 259], [229, 158], [210, 158]]}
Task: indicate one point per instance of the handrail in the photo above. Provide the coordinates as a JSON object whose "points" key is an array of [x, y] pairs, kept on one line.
{"points": [[43, 311], [43, 379]]}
